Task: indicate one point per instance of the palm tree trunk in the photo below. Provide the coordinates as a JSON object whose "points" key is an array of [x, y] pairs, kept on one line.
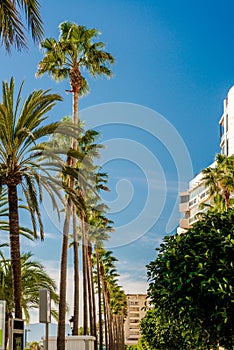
{"points": [[108, 320], [92, 290], [15, 248], [90, 300], [7, 316], [226, 195], [84, 268], [122, 331], [76, 276], [105, 322], [99, 302], [63, 280], [75, 249]]}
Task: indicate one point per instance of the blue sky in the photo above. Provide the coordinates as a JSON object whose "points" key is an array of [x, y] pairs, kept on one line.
{"points": [[174, 64]]}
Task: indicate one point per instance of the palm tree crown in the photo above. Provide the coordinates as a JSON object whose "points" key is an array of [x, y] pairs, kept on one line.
{"points": [[220, 180], [12, 29], [75, 50], [21, 164]]}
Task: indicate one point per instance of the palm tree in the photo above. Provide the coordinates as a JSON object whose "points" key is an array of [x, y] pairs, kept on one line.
{"points": [[12, 29], [99, 227], [220, 180], [88, 191], [33, 273], [4, 215], [108, 276], [75, 50], [21, 165]]}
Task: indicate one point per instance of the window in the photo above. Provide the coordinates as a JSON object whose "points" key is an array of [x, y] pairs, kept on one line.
{"points": [[193, 201], [184, 199], [221, 130], [204, 194], [134, 308], [134, 321]]}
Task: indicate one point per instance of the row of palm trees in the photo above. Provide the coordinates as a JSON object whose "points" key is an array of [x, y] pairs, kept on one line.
{"points": [[30, 165]]}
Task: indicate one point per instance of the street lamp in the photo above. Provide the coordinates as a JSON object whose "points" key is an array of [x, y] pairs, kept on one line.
{"points": [[71, 321], [26, 336]]}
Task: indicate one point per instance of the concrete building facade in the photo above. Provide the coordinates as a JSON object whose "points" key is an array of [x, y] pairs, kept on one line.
{"points": [[136, 304], [197, 193]]}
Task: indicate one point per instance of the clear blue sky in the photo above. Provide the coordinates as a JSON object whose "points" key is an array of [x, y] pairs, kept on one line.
{"points": [[172, 57]]}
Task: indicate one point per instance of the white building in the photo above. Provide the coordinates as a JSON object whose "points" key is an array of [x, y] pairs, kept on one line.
{"points": [[227, 125], [197, 193], [136, 309]]}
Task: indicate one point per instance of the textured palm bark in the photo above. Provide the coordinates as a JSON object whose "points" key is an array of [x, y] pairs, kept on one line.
{"points": [[63, 280], [108, 314], [76, 275], [75, 81], [90, 306], [84, 267], [63, 271], [99, 302], [15, 248], [75, 78], [92, 303]]}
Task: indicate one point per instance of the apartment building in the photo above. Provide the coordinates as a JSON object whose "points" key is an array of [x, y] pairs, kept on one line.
{"points": [[136, 304], [197, 193]]}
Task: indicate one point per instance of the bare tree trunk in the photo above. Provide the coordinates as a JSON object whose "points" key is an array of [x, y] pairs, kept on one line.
{"points": [[7, 316], [106, 324], [76, 275], [15, 248], [84, 266], [99, 302], [63, 280], [92, 291], [90, 304]]}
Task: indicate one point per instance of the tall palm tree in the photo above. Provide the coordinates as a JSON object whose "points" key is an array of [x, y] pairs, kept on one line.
{"points": [[220, 180], [4, 215], [100, 227], [21, 164], [12, 29], [33, 273], [75, 50], [88, 191], [108, 275]]}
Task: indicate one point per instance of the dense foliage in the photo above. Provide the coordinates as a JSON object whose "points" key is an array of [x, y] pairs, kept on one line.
{"points": [[191, 283]]}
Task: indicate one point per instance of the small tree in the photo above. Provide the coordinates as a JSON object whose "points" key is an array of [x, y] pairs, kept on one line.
{"points": [[192, 281], [220, 180]]}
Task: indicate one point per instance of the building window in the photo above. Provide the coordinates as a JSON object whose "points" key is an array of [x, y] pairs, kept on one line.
{"points": [[136, 320], [226, 122], [184, 199], [193, 201], [134, 308], [221, 130]]}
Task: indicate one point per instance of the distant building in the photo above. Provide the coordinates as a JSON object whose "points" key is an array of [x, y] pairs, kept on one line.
{"points": [[136, 304], [197, 193]]}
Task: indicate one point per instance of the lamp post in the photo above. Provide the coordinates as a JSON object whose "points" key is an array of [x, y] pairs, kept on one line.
{"points": [[71, 321], [26, 336]]}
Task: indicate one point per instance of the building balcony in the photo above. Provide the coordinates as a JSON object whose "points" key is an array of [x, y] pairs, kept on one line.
{"points": [[184, 223], [184, 207]]}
